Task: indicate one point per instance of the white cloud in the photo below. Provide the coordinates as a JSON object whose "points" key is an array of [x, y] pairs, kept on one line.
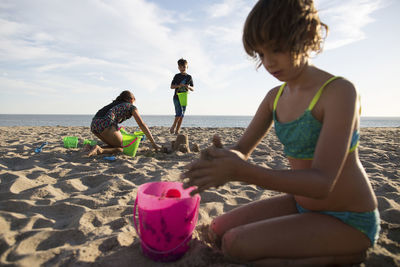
{"points": [[349, 19], [129, 39], [63, 38], [220, 9], [226, 8], [96, 48], [226, 23]]}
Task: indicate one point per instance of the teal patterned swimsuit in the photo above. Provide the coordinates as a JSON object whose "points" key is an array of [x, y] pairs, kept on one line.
{"points": [[299, 137], [367, 223]]}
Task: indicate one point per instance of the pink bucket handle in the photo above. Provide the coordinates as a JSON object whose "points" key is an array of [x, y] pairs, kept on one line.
{"points": [[144, 243], [122, 127], [134, 218], [130, 143]]}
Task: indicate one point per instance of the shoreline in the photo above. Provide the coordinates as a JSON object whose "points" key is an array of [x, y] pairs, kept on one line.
{"points": [[60, 208]]}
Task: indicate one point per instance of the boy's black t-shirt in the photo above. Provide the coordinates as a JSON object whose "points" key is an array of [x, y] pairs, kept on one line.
{"points": [[180, 78]]}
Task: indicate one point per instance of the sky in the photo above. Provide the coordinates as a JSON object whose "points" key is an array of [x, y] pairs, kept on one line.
{"points": [[76, 56]]}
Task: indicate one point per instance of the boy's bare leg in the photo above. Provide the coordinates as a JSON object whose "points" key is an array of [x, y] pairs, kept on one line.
{"points": [[172, 129], [178, 124]]}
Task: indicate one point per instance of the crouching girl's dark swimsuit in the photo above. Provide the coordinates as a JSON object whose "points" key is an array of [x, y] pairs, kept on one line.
{"points": [[111, 115]]}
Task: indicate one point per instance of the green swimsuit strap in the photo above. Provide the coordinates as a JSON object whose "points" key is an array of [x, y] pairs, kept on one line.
{"points": [[315, 98], [278, 95], [318, 94]]}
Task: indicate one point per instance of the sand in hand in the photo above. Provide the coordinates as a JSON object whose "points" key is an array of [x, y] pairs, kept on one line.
{"points": [[59, 208]]}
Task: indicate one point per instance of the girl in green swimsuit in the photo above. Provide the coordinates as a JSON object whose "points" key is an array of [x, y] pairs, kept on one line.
{"points": [[327, 213]]}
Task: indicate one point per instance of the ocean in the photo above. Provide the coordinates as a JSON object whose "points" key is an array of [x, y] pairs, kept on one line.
{"points": [[161, 120]]}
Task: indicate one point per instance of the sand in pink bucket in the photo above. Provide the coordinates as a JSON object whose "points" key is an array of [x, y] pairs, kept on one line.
{"points": [[167, 217]]}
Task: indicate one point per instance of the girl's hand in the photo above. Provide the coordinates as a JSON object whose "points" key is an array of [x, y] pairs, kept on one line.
{"points": [[216, 143], [221, 166]]}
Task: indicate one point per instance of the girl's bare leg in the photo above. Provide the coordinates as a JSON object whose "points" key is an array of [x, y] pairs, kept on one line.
{"points": [[256, 211], [101, 138], [341, 260], [113, 138], [86, 148], [271, 230], [97, 150]]}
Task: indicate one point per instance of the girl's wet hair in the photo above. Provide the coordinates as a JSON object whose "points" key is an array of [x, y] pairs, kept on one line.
{"points": [[284, 25], [125, 96]]}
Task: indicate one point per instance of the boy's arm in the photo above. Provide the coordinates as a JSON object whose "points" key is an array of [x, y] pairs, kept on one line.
{"points": [[187, 86], [174, 83], [190, 86]]}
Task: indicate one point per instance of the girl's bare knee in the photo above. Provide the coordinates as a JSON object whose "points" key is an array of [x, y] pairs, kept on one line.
{"points": [[230, 246], [215, 226]]}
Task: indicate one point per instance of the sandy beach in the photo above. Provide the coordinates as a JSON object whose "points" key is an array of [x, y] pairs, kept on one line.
{"points": [[59, 208]]}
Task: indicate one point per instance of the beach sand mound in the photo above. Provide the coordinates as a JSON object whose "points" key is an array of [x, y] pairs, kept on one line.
{"points": [[59, 208]]}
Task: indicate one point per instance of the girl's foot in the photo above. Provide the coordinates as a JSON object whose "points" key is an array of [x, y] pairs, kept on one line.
{"points": [[96, 150], [213, 238], [86, 147], [171, 130]]}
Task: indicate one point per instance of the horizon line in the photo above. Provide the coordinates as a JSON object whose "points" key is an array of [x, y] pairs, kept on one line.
{"points": [[167, 115]]}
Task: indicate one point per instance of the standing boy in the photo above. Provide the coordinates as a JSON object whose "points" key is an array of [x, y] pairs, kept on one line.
{"points": [[182, 82]]}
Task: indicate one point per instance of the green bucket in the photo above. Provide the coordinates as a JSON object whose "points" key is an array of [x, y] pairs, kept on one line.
{"points": [[122, 130], [130, 142], [90, 142], [70, 141], [183, 98]]}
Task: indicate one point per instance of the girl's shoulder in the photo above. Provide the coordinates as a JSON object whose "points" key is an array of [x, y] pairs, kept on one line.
{"points": [[125, 105], [333, 81], [338, 96], [270, 97], [129, 105], [340, 88], [272, 92]]}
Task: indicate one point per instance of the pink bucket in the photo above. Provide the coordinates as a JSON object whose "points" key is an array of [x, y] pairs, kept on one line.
{"points": [[167, 217]]}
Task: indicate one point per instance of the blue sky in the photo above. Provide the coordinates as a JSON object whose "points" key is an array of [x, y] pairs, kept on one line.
{"points": [[73, 57]]}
